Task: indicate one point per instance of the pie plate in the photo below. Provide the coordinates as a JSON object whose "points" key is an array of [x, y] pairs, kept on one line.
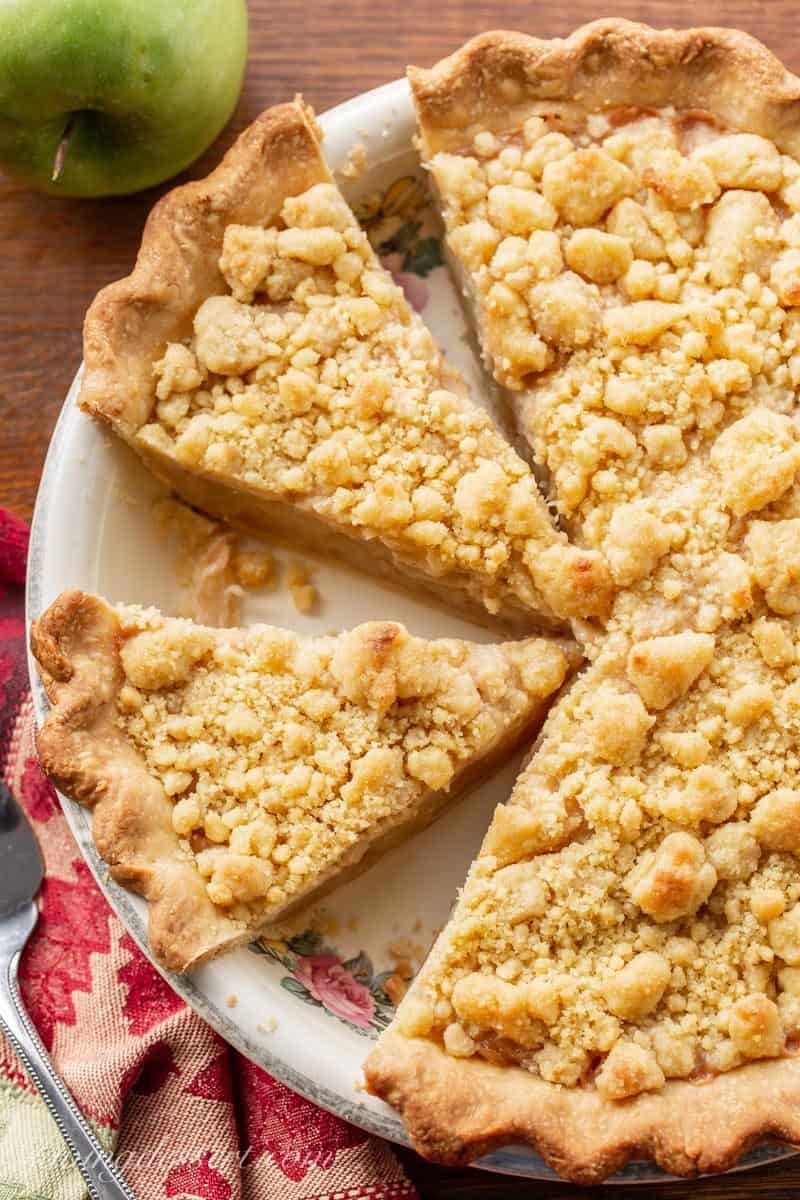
{"points": [[305, 1008]]}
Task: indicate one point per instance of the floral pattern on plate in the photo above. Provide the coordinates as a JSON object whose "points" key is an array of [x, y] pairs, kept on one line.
{"points": [[347, 989], [398, 223]]}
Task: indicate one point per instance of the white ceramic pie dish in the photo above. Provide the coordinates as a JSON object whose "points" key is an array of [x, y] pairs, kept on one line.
{"points": [[304, 1010]]}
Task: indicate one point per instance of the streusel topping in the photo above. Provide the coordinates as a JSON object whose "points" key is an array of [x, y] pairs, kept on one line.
{"points": [[283, 753], [641, 885], [313, 381], [635, 912], [635, 281]]}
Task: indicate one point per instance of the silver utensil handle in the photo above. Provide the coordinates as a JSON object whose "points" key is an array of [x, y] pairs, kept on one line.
{"points": [[100, 1174]]}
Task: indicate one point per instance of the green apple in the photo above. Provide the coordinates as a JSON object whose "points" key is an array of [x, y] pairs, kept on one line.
{"points": [[100, 97]]}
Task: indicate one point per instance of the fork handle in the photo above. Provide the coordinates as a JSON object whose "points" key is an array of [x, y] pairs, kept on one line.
{"points": [[100, 1173]]}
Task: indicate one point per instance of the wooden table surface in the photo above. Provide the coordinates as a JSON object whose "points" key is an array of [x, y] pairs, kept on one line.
{"points": [[56, 254]]}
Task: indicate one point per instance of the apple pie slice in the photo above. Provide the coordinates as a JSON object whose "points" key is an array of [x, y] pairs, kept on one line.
{"points": [[628, 234], [620, 978], [264, 364], [235, 774]]}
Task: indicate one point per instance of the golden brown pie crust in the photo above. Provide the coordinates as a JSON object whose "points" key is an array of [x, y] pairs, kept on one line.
{"points": [[457, 1109], [497, 79]]}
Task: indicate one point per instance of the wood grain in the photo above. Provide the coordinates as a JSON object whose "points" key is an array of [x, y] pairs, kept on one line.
{"points": [[56, 254]]}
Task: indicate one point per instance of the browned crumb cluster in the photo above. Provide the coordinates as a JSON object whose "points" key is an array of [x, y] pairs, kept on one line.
{"points": [[635, 912]]}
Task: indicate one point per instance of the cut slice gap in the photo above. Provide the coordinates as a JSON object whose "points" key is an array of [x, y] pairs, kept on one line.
{"points": [[507, 402], [264, 364], [236, 775]]}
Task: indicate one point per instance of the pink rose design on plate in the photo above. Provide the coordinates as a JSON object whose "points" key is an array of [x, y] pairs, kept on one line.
{"points": [[414, 288], [336, 989]]}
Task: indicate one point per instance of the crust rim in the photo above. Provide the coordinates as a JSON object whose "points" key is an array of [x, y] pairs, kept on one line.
{"points": [[130, 321], [76, 645], [456, 1110], [500, 77]]}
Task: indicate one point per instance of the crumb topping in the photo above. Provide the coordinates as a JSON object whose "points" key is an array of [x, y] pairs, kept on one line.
{"points": [[638, 307], [634, 914], [649, 898], [313, 381], [284, 755]]}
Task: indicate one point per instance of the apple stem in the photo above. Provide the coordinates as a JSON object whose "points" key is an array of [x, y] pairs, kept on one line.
{"points": [[61, 150]]}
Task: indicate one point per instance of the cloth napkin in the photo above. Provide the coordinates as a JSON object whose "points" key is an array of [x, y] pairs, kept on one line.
{"points": [[188, 1116]]}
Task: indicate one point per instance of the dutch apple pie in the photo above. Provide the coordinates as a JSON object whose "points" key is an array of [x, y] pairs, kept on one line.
{"points": [[620, 976]]}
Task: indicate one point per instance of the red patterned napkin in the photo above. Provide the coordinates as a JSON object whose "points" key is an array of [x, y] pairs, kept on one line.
{"points": [[189, 1117]]}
